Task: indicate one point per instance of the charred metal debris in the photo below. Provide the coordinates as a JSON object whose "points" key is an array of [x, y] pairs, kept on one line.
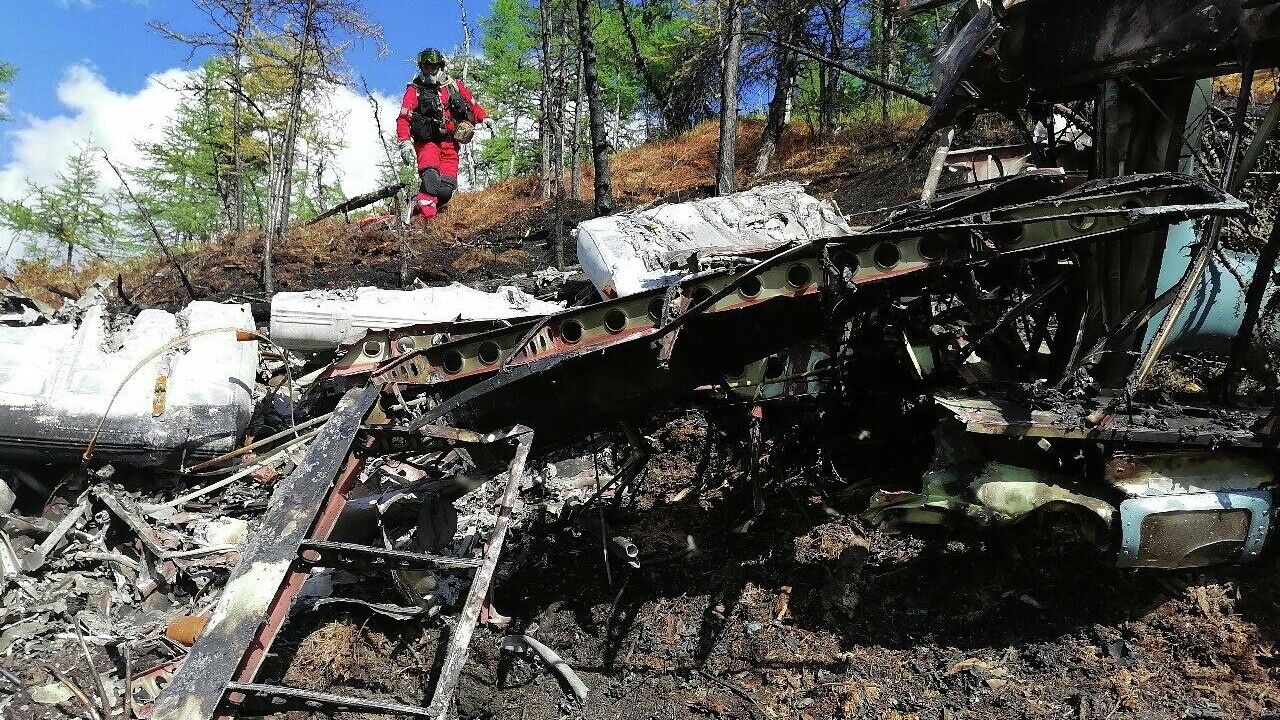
{"points": [[1002, 331]]}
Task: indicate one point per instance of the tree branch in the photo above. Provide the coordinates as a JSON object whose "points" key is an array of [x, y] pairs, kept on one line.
{"points": [[863, 75], [164, 247]]}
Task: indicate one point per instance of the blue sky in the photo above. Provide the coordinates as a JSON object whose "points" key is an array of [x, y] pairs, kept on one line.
{"points": [[46, 37]]}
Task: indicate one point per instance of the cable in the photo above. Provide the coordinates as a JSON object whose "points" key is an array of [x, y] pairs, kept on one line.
{"points": [[240, 334]]}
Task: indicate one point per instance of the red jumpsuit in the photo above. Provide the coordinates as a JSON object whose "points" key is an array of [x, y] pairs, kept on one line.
{"points": [[442, 155]]}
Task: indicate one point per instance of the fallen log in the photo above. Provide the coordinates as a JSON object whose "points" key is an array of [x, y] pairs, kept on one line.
{"points": [[358, 202]]}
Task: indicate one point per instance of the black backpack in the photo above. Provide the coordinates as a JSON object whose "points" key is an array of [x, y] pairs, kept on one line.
{"points": [[428, 120]]}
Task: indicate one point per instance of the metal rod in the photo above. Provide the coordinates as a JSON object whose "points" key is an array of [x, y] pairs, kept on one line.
{"points": [[460, 643], [1208, 242], [259, 443]]}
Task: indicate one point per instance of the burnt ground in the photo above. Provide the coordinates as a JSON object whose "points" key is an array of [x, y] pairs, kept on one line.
{"points": [[809, 613]]}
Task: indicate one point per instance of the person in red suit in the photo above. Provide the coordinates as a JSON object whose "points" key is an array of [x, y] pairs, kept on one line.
{"points": [[437, 115]]}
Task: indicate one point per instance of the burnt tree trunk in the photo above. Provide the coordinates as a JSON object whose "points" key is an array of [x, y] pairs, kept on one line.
{"points": [[1258, 285], [544, 98], [557, 147], [661, 94], [829, 77], [282, 189], [575, 162], [726, 181], [595, 104], [785, 63], [243, 18]]}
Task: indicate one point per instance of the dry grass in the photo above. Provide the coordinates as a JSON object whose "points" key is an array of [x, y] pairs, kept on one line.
{"points": [[1266, 85], [477, 235]]}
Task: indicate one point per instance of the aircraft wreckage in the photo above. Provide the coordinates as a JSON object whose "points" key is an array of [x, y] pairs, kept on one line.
{"points": [[1001, 323]]}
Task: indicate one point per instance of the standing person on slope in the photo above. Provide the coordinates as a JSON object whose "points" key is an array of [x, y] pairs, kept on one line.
{"points": [[437, 115]]}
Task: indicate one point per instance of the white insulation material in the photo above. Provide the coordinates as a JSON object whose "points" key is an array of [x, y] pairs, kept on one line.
{"points": [[323, 319], [57, 382], [637, 251]]}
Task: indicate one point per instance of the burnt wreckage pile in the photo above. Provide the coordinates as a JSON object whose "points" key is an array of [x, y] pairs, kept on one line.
{"points": [[999, 321]]}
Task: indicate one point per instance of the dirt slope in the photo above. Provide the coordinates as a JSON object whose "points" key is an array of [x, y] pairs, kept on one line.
{"points": [[507, 228]]}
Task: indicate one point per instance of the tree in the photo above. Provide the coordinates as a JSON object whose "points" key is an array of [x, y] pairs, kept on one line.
{"points": [[183, 179], [282, 55], [599, 134], [726, 180], [280, 195], [71, 213], [7, 74], [789, 21], [234, 22], [509, 82]]}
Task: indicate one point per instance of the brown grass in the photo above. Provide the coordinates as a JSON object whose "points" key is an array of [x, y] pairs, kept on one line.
{"points": [[477, 236], [1266, 85]]}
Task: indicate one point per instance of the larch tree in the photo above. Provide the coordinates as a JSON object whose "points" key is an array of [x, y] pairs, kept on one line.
{"points": [[180, 182], [70, 215], [234, 23], [509, 80], [314, 35]]}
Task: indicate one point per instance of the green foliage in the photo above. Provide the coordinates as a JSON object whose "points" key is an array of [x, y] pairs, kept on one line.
{"points": [[507, 80], [70, 214], [7, 73], [182, 175]]}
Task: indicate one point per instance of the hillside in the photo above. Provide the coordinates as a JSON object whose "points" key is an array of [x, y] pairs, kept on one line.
{"points": [[507, 228]]}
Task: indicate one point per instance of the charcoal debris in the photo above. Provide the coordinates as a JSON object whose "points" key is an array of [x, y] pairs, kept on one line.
{"points": [[748, 459]]}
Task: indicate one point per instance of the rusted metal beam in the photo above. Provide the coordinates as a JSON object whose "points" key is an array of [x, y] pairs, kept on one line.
{"points": [[305, 505], [460, 643]]}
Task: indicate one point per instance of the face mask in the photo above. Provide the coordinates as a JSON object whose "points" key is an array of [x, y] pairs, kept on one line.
{"points": [[438, 78]]}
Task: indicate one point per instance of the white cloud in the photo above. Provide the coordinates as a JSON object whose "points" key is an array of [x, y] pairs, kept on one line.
{"points": [[113, 121], [362, 154], [117, 121]]}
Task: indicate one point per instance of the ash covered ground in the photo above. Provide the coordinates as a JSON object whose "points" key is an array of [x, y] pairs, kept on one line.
{"points": [[810, 613], [805, 611]]}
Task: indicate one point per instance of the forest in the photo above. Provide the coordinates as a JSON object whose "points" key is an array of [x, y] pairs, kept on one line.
{"points": [[252, 144]]}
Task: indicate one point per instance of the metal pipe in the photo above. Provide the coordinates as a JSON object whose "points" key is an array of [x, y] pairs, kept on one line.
{"points": [[1231, 181]]}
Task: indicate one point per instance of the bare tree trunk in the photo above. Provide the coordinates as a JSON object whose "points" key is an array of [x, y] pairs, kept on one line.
{"points": [[726, 181], [515, 145], [599, 133], [559, 229], [146, 216], [401, 200], [887, 31], [544, 123], [780, 105], [468, 155], [575, 164], [829, 78], [1253, 297], [661, 95], [243, 19], [282, 190], [617, 109], [562, 99]]}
